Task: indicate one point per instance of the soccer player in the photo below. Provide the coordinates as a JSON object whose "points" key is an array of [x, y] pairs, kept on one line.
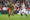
{"points": [[23, 10], [11, 10]]}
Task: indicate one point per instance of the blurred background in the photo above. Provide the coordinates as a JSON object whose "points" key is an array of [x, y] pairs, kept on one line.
{"points": [[17, 6], [4, 3]]}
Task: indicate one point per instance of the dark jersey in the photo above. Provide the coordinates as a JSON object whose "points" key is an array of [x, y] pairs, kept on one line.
{"points": [[11, 6]]}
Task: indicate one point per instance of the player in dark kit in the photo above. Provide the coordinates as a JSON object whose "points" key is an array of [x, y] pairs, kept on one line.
{"points": [[11, 10]]}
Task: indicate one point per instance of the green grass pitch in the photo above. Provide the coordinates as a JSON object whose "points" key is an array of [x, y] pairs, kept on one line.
{"points": [[15, 17]]}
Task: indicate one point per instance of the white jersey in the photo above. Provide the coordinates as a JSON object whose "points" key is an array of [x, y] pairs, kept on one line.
{"points": [[23, 6]]}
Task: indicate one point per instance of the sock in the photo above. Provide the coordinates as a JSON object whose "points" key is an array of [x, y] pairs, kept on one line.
{"points": [[21, 15], [26, 14]]}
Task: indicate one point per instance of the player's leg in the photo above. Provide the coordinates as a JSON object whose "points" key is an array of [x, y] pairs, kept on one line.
{"points": [[9, 15], [25, 12], [21, 12], [12, 12]]}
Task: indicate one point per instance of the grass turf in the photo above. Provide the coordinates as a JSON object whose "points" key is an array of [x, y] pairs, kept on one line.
{"points": [[15, 17]]}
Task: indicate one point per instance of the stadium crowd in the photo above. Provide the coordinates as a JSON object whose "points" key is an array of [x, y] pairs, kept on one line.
{"points": [[16, 3]]}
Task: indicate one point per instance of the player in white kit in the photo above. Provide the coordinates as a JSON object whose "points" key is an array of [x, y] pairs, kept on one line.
{"points": [[23, 9]]}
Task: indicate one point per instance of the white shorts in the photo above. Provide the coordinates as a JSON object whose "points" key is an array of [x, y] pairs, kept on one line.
{"points": [[23, 10]]}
